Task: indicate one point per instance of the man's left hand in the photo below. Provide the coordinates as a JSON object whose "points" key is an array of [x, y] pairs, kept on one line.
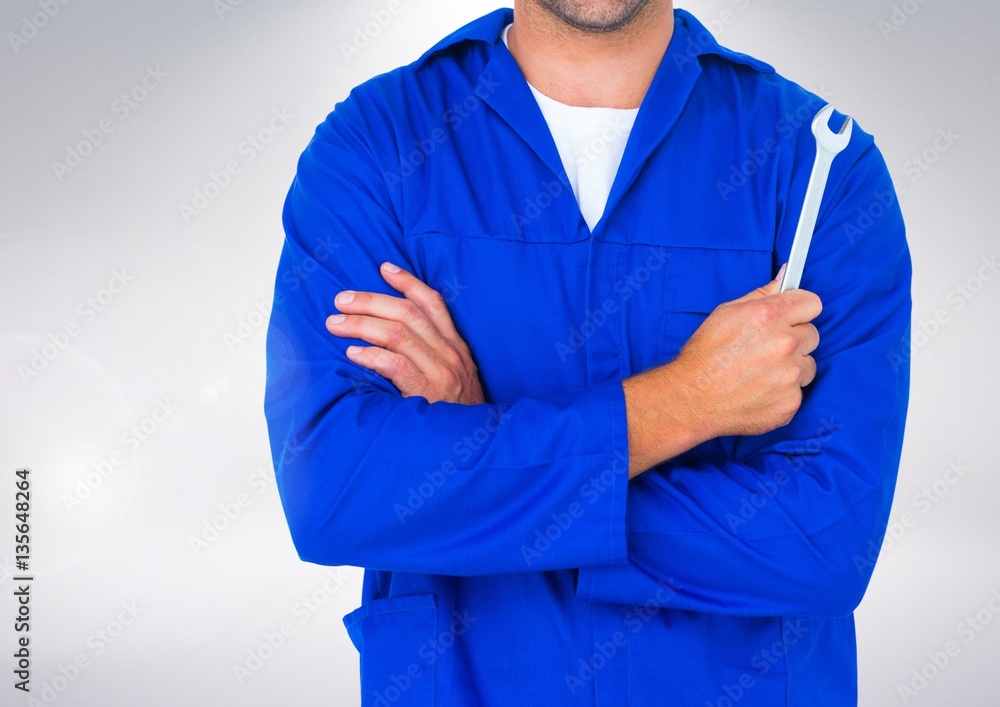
{"points": [[415, 343]]}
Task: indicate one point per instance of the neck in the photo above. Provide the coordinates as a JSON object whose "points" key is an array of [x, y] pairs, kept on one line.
{"points": [[585, 68]]}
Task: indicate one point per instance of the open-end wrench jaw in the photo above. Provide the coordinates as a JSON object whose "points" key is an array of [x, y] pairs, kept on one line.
{"points": [[831, 142]]}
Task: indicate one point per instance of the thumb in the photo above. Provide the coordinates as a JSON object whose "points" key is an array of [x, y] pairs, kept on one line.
{"points": [[771, 288]]}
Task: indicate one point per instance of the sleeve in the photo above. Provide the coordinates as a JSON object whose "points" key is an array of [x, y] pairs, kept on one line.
{"points": [[789, 523], [369, 478]]}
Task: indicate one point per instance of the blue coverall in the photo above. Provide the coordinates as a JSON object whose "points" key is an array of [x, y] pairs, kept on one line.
{"points": [[509, 560]]}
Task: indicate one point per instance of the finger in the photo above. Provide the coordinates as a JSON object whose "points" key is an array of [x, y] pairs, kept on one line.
{"points": [[427, 298], [409, 313], [390, 365], [771, 288], [808, 371], [389, 307], [801, 306], [808, 338], [386, 333]]}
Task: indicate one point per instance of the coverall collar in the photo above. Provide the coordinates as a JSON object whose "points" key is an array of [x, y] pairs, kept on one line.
{"points": [[665, 99]]}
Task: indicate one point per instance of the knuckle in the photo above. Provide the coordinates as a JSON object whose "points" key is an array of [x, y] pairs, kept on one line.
{"points": [[381, 358], [782, 346], [453, 357], [722, 308], [790, 406], [435, 300], [395, 364], [408, 380], [410, 310], [450, 380], [395, 333], [767, 312], [787, 344]]}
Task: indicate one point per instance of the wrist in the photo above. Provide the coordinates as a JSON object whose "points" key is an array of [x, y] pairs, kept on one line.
{"points": [[683, 409], [665, 416]]}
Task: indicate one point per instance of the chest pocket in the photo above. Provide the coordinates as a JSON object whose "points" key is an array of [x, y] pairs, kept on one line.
{"points": [[699, 279]]}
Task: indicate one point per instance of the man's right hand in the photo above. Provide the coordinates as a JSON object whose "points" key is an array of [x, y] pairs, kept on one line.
{"points": [[740, 373]]}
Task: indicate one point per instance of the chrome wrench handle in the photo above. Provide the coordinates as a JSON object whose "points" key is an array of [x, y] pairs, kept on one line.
{"points": [[828, 145]]}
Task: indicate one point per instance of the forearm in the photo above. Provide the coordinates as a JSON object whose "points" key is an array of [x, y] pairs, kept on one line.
{"points": [[662, 419]]}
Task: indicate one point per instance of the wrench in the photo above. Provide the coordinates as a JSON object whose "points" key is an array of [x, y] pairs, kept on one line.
{"points": [[828, 145]]}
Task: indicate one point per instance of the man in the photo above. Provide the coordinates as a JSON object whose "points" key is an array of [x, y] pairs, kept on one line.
{"points": [[586, 451]]}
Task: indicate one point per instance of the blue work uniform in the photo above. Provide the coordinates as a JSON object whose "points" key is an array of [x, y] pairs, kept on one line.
{"points": [[509, 559]]}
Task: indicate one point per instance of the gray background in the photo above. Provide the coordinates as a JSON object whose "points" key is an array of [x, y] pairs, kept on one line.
{"points": [[163, 336]]}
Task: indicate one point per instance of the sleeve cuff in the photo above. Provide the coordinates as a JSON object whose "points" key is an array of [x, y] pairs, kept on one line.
{"points": [[607, 491]]}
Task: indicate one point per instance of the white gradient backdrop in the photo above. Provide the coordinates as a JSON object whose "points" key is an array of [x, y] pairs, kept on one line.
{"points": [[186, 333]]}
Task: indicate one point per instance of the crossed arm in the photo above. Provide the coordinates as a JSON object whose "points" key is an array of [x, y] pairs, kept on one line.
{"points": [[355, 433], [741, 373]]}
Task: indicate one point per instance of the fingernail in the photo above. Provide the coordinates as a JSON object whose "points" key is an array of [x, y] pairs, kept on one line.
{"points": [[781, 272], [335, 319], [389, 267], [345, 297], [353, 350]]}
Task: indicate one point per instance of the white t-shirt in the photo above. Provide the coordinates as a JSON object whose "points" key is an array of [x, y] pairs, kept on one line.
{"points": [[591, 142]]}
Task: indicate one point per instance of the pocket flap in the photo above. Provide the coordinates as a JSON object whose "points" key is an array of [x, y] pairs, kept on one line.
{"points": [[700, 279], [393, 635]]}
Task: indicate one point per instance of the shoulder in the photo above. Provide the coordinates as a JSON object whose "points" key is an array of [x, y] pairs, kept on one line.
{"points": [[378, 110], [774, 109]]}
